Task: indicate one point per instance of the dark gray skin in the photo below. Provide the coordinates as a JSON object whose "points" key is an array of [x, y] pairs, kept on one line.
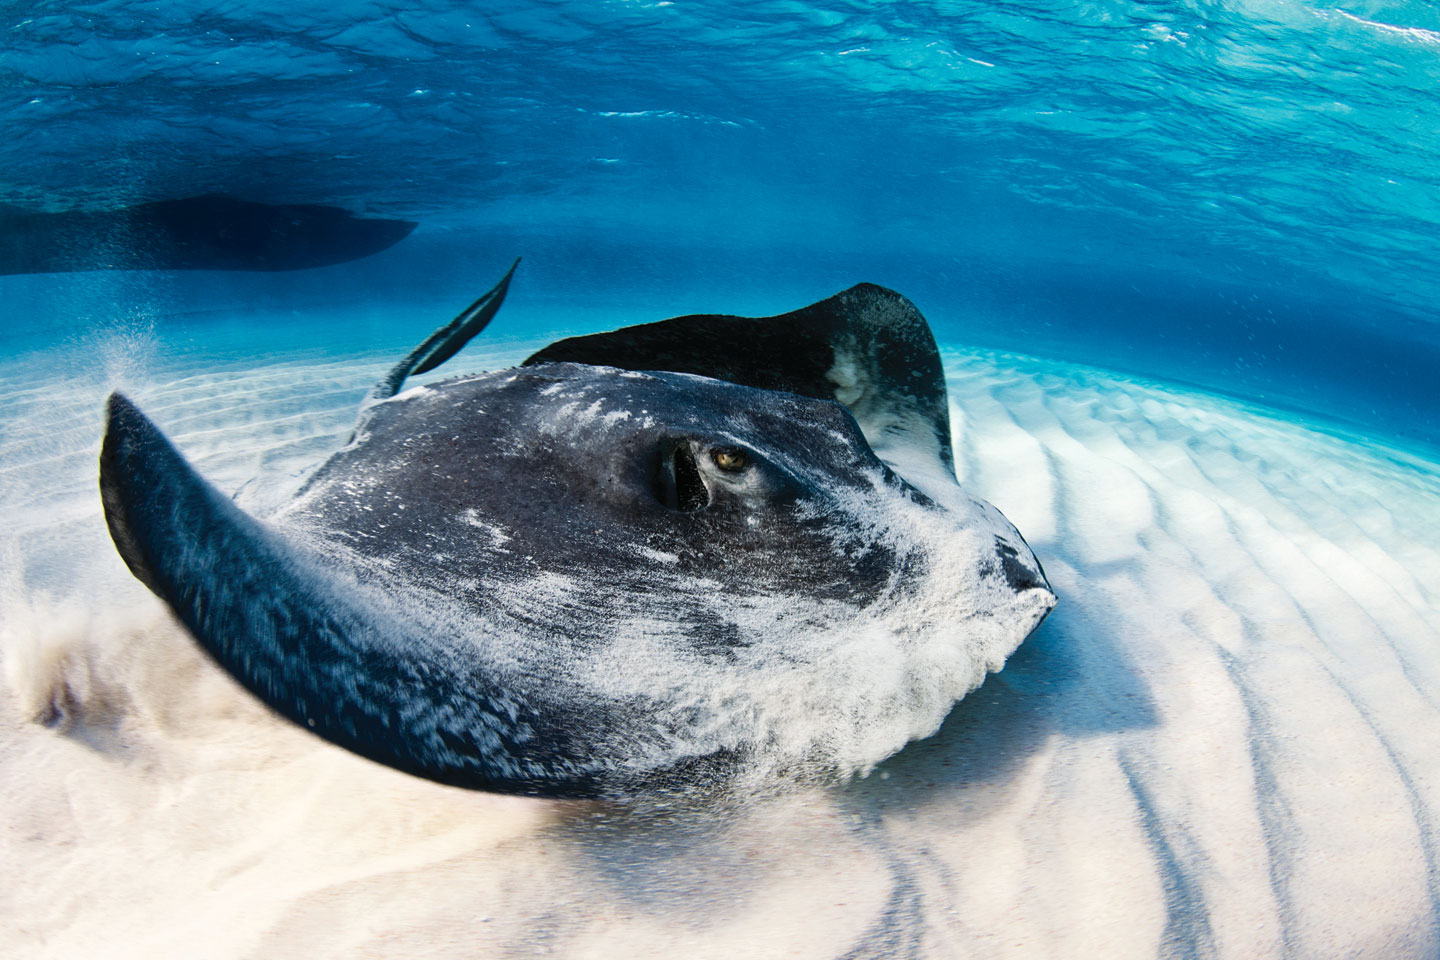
{"points": [[577, 494], [574, 580]]}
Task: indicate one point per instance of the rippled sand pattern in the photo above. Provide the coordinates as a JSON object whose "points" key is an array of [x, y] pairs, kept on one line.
{"points": [[1223, 741]]}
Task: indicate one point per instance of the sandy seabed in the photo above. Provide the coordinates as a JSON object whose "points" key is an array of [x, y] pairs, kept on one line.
{"points": [[1223, 742]]}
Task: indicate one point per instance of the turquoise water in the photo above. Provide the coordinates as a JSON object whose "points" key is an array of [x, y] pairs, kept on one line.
{"points": [[1240, 195], [1180, 258]]}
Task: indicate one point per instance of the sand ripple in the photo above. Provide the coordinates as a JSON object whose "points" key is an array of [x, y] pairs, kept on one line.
{"points": [[1223, 742]]}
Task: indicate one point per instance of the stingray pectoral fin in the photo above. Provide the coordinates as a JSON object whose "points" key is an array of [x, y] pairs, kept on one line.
{"points": [[867, 347], [447, 341], [304, 639]]}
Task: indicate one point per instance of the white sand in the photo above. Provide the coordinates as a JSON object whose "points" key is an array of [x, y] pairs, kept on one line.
{"points": [[1225, 741]]}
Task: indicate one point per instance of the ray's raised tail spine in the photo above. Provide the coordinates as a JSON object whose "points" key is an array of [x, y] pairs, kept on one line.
{"points": [[447, 341]]}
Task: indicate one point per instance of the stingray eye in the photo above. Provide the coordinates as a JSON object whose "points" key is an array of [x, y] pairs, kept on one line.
{"points": [[729, 459]]}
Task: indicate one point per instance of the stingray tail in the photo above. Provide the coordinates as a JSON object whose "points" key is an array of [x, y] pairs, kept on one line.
{"points": [[447, 341]]}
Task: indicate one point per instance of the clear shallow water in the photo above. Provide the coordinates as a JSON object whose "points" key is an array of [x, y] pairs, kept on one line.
{"points": [[1237, 194], [1220, 743]]}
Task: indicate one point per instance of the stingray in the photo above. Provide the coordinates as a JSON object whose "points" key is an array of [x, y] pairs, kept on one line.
{"points": [[708, 550]]}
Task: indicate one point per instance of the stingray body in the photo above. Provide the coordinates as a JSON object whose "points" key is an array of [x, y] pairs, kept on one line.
{"points": [[661, 556]]}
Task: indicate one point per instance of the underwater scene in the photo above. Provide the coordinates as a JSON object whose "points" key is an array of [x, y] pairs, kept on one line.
{"points": [[1021, 538]]}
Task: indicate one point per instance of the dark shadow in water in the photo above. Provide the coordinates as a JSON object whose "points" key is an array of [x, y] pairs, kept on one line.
{"points": [[212, 232], [688, 863]]}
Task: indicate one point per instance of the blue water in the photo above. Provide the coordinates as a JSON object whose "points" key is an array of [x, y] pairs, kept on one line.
{"points": [[1182, 262], [1240, 195]]}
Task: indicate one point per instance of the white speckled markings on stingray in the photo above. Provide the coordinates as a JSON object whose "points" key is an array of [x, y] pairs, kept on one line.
{"points": [[468, 590]]}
